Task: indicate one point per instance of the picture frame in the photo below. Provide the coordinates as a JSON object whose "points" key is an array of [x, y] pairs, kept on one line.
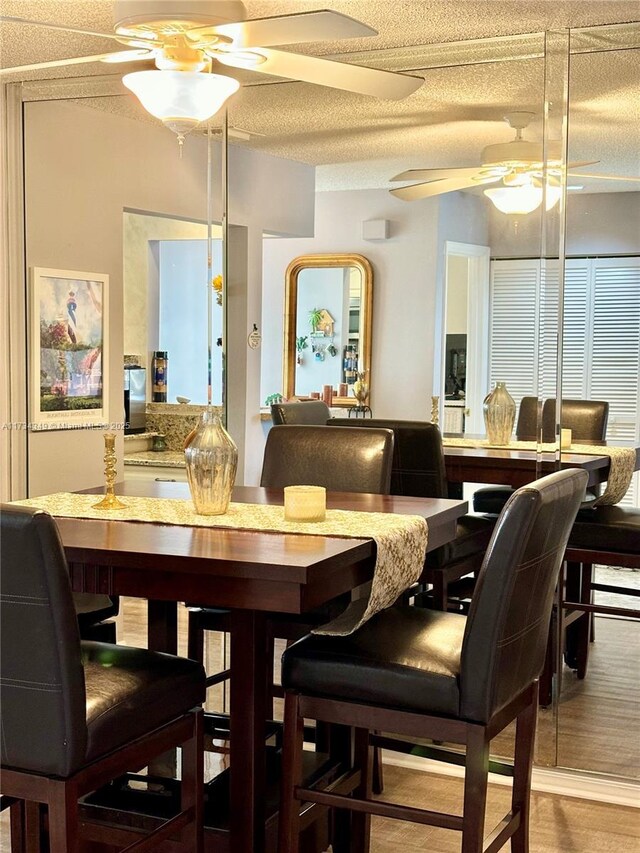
{"points": [[69, 349]]}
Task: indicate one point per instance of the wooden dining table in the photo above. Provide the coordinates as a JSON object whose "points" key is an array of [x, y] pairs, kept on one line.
{"points": [[517, 467], [251, 573]]}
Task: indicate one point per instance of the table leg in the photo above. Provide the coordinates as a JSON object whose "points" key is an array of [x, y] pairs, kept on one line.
{"points": [[162, 626], [248, 715]]}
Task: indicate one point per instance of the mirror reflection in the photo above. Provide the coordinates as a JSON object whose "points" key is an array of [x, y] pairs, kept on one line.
{"points": [[327, 343]]}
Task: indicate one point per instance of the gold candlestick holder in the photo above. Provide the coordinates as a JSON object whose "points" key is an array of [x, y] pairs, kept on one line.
{"points": [[110, 501]]}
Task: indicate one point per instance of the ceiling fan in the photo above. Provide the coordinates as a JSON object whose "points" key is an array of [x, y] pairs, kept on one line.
{"points": [[187, 38], [518, 165]]}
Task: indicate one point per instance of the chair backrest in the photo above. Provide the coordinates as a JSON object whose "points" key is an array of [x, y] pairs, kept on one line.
{"points": [[418, 461], [341, 460], [304, 412], [587, 419], [527, 423], [42, 686], [508, 623]]}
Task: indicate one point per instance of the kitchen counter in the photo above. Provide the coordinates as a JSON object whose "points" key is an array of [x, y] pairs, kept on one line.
{"points": [[156, 459]]}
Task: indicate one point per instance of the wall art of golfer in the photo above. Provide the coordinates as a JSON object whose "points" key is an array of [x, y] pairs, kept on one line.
{"points": [[69, 358]]}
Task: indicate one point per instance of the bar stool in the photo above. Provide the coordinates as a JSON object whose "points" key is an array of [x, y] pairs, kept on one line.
{"points": [[76, 715], [425, 673]]}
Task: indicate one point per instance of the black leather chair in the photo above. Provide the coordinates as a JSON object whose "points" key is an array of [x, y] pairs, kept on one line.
{"points": [[418, 470], [424, 673], [587, 420], [75, 714], [310, 412]]}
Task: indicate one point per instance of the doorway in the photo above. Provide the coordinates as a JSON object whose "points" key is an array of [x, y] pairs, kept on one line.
{"points": [[465, 357]]}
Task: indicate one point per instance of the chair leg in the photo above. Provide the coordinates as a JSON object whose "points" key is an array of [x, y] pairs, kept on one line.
{"points": [[191, 791], [378, 773], [63, 818], [475, 790], [522, 767], [289, 823], [361, 821]]}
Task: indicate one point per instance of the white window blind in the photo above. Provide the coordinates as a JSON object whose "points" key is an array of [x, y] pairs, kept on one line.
{"points": [[601, 335]]}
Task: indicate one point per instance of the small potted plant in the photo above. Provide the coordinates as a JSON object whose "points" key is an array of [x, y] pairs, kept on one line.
{"points": [[301, 344]]}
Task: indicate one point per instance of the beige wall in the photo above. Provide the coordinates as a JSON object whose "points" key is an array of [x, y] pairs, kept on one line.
{"points": [[457, 284]]}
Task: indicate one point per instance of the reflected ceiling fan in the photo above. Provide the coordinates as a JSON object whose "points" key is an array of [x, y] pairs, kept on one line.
{"points": [[187, 38], [518, 165]]}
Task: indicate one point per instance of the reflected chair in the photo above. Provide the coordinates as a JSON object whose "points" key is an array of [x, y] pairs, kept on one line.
{"points": [[424, 673], [587, 420], [418, 470], [310, 412], [78, 714], [606, 536]]}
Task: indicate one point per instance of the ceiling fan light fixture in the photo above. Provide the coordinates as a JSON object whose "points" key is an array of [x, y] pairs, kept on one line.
{"points": [[181, 99], [515, 200], [524, 198]]}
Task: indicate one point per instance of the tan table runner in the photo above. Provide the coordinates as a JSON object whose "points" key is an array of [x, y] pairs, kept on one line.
{"points": [[401, 539], [623, 461]]}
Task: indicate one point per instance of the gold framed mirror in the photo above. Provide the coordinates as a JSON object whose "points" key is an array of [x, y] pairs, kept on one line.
{"points": [[327, 326]]}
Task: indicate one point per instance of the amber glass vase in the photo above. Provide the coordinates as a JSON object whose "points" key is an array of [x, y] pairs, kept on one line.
{"points": [[212, 461], [499, 411]]}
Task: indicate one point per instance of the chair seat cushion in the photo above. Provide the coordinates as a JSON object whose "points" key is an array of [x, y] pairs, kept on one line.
{"points": [[607, 528], [404, 657], [132, 691], [491, 499]]}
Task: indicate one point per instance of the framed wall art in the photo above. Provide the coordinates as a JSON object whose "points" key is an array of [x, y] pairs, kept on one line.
{"points": [[68, 349]]}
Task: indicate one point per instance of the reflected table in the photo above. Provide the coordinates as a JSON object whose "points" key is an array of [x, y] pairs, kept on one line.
{"points": [[251, 573], [518, 467]]}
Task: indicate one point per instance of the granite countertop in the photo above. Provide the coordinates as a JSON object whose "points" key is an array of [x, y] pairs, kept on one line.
{"points": [[160, 459]]}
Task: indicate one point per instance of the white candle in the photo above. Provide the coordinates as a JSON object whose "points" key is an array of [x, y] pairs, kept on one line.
{"points": [[565, 439], [305, 503]]}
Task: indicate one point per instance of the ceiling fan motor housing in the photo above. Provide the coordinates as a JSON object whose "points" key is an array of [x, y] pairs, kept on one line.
{"points": [[518, 151], [158, 14]]}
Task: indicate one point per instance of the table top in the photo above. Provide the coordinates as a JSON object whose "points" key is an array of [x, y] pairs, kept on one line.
{"points": [[516, 467], [227, 567]]}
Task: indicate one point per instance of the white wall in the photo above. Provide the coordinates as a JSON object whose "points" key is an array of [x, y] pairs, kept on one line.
{"points": [[404, 281], [83, 168]]}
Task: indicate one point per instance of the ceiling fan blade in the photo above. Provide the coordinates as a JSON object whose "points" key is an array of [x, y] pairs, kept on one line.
{"points": [[431, 188], [12, 20], [436, 174], [604, 177], [323, 25], [81, 60], [326, 72]]}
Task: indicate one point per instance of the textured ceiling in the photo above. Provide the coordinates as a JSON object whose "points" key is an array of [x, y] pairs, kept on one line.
{"points": [[360, 142]]}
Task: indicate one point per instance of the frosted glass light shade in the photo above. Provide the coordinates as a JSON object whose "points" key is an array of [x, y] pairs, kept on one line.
{"points": [[524, 199], [515, 200], [180, 99]]}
